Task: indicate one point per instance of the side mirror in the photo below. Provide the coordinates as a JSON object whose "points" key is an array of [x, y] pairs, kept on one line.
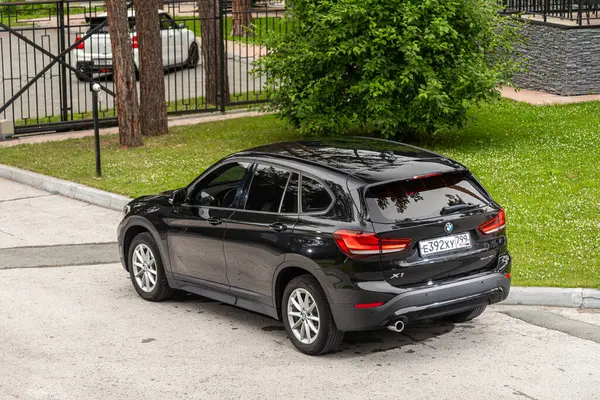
{"points": [[178, 196], [182, 25]]}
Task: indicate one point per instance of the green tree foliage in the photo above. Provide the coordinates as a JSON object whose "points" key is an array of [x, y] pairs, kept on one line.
{"points": [[388, 66]]}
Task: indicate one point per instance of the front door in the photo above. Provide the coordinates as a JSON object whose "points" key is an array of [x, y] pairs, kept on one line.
{"points": [[171, 41], [259, 232], [196, 228]]}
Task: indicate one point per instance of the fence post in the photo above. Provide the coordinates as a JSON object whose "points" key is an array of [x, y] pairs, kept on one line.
{"points": [[64, 107], [95, 88], [222, 5]]}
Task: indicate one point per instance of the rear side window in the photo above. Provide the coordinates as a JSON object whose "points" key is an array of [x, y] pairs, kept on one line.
{"points": [[315, 198], [267, 188], [429, 197]]}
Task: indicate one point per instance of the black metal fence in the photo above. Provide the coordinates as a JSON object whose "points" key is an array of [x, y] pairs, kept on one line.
{"points": [[576, 12], [42, 92]]}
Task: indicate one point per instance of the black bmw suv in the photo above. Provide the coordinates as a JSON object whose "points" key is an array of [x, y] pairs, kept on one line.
{"points": [[327, 236]]}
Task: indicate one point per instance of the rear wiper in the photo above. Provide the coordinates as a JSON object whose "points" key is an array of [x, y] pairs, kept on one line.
{"points": [[459, 207]]}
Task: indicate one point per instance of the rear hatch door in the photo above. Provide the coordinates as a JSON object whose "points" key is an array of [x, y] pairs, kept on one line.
{"points": [[98, 45], [441, 214]]}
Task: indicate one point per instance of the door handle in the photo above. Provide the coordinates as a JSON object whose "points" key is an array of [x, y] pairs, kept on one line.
{"points": [[278, 227], [215, 221]]}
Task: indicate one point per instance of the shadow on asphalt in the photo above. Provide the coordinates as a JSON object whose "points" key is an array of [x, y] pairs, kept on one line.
{"points": [[355, 344]]}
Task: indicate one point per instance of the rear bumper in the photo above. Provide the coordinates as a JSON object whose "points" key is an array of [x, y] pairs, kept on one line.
{"points": [[422, 302], [91, 67]]}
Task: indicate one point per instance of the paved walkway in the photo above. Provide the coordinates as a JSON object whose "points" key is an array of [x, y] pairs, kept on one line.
{"points": [[541, 98]]}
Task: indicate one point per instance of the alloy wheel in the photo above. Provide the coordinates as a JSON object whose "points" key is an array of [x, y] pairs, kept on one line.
{"points": [[303, 316], [144, 268]]}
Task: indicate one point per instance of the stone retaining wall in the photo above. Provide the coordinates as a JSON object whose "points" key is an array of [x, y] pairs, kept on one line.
{"points": [[561, 61]]}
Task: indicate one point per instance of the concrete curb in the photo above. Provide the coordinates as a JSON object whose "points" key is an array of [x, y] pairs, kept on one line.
{"points": [[65, 188], [519, 295], [554, 297]]}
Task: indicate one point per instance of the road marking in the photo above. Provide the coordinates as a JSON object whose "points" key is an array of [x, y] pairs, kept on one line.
{"points": [[59, 255], [26, 198]]}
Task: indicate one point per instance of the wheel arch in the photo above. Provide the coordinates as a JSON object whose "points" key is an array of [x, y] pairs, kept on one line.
{"points": [[288, 271], [136, 226]]}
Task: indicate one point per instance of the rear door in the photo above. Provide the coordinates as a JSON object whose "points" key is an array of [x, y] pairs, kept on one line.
{"points": [[441, 215], [259, 232]]}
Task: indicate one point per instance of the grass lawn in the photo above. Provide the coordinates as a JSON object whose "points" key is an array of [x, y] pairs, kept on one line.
{"points": [[541, 162]]}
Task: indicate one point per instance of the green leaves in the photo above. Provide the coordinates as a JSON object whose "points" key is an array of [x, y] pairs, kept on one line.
{"points": [[389, 66]]}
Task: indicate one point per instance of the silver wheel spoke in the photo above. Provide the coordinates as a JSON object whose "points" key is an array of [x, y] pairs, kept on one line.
{"points": [[138, 255], [300, 300], [295, 314], [297, 324], [307, 331], [307, 300], [313, 318], [311, 308], [139, 273], [152, 272], [295, 303], [302, 331], [312, 327]]}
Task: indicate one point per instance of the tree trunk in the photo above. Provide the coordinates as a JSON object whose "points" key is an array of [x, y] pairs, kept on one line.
{"points": [[152, 76], [240, 17], [124, 74], [212, 52]]}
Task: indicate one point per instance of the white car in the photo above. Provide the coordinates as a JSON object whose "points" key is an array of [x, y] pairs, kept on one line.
{"points": [[94, 55]]}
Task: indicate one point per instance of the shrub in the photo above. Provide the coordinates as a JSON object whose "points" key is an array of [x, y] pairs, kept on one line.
{"points": [[389, 66]]}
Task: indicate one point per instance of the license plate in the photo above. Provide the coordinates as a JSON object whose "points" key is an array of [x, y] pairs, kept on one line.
{"points": [[103, 62], [443, 244]]}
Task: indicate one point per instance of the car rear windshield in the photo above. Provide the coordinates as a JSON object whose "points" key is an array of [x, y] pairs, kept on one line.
{"points": [[423, 198]]}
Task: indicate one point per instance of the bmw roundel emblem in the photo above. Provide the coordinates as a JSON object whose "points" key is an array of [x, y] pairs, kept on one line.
{"points": [[449, 227]]}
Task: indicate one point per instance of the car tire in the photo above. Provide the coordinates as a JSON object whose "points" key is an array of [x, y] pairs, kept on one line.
{"points": [[146, 269], [193, 56], [466, 315], [314, 315]]}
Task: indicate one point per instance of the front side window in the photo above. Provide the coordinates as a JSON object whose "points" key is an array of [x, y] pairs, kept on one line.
{"points": [[267, 188], [219, 188], [315, 197], [166, 22]]}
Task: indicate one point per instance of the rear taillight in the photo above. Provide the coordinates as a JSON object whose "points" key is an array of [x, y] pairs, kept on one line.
{"points": [[134, 42], [357, 244], [80, 46], [495, 224]]}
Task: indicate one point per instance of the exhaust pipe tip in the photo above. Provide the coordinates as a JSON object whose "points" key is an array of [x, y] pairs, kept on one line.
{"points": [[397, 326]]}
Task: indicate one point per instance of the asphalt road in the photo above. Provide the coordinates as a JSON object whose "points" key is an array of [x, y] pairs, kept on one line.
{"points": [[20, 63], [81, 331]]}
